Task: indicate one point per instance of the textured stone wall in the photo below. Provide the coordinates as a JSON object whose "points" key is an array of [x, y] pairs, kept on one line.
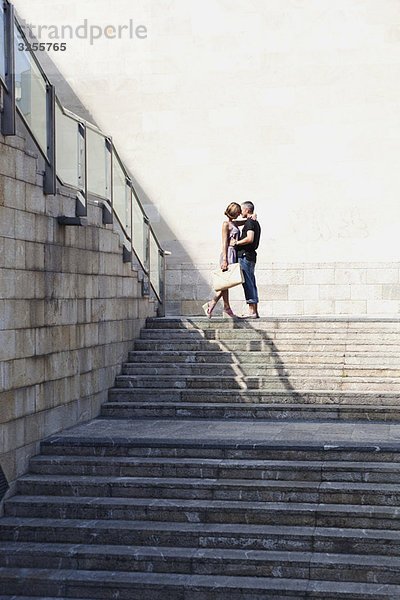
{"points": [[371, 289], [69, 308]]}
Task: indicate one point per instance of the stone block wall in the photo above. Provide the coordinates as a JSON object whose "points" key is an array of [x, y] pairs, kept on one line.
{"points": [[70, 308], [369, 289]]}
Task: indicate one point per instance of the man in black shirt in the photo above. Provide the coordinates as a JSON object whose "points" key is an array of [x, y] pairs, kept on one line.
{"points": [[246, 248]]}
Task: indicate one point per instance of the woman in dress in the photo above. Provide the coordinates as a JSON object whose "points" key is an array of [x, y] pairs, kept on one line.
{"points": [[230, 230]]}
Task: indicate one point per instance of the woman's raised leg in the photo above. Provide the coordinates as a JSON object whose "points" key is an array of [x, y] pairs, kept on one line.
{"points": [[209, 306]]}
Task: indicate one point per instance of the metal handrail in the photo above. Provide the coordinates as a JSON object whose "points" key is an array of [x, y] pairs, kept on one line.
{"points": [[50, 159]]}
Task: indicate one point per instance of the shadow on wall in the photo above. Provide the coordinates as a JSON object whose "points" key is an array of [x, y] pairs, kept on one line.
{"points": [[185, 281]]}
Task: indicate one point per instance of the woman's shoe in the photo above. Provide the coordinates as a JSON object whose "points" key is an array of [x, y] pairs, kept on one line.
{"points": [[207, 309], [229, 313]]}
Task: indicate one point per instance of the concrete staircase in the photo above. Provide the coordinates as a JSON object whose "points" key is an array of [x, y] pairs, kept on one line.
{"points": [[241, 460], [269, 368]]}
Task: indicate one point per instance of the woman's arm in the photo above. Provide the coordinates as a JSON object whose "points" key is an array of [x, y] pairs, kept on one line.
{"points": [[240, 222], [225, 244]]}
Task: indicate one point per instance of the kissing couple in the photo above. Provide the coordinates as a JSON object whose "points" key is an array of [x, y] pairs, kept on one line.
{"points": [[239, 246]]}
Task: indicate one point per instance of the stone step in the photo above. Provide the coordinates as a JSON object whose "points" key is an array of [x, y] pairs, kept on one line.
{"points": [[220, 448], [202, 535], [120, 408], [318, 398], [273, 323], [339, 335], [239, 357], [278, 382], [158, 586], [116, 466], [202, 561], [288, 492], [265, 346], [247, 490], [13, 597], [205, 511], [257, 369]]}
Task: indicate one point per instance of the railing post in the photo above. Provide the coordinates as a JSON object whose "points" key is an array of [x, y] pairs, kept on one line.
{"points": [[8, 116], [107, 207], [111, 175], [132, 247], [161, 271], [128, 204], [146, 249], [81, 206], [49, 185]]}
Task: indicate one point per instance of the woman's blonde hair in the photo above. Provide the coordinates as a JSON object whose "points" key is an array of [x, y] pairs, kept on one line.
{"points": [[233, 210]]}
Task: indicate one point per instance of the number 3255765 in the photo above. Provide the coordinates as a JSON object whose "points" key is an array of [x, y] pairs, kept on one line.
{"points": [[42, 46]]}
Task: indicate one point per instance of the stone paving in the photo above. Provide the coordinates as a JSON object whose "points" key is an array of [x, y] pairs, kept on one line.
{"points": [[212, 503], [246, 431]]}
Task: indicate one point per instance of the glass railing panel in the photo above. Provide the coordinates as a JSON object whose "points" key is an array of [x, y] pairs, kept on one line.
{"points": [[108, 170], [2, 44], [128, 210], [121, 195], [146, 244], [97, 163], [155, 264], [139, 233], [30, 91], [67, 148]]}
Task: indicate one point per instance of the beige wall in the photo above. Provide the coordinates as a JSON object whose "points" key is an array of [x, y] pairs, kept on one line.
{"points": [[290, 103], [69, 309], [371, 289]]}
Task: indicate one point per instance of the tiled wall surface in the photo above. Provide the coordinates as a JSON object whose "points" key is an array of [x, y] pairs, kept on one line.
{"points": [[296, 289]]}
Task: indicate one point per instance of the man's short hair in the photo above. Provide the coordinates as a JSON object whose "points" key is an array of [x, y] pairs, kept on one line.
{"points": [[248, 205]]}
